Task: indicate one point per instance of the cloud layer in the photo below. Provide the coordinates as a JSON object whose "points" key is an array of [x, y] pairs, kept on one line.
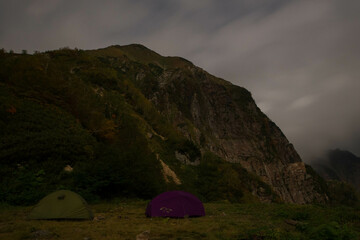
{"points": [[300, 59]]}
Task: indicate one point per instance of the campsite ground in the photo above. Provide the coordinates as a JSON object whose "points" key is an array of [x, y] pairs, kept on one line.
{"points": [[125, 219]]}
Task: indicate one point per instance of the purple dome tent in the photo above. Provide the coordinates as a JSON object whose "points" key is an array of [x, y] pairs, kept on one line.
{"points": [[176, 204]]}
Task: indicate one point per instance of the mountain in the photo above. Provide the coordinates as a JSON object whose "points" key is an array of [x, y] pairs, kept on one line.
{"points": [[126, 121], [339, 165]]}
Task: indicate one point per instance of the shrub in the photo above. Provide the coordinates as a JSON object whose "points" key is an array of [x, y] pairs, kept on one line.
{"points": [[342, 193], [129, 171], [22, 187], [218, 180]]}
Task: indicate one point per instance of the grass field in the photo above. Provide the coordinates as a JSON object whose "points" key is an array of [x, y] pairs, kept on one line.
{"points": [[125, 219]]}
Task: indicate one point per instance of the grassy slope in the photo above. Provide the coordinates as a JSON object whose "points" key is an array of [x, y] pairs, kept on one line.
{"points": [[125, 219]]}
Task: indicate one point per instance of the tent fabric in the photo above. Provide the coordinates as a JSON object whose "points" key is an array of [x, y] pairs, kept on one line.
{"points": [[61, 204], [175, 204]]}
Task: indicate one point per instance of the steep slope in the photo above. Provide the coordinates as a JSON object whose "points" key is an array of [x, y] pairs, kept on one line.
{"points": [[224, 119], [339, 165], [142, 112]]}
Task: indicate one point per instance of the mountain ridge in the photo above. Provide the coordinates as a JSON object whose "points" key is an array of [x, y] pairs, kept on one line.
{"points": [[340, 165], [207, 131]]}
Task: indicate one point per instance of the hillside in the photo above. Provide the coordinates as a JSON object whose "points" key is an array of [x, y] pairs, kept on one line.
{"points": [[129, 122], [339, 165]]}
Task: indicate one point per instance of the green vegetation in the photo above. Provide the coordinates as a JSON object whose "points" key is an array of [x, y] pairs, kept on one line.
{"points": [[219, 180], [125, 219], [118, 171], [57, 109], [88, 110], [343, 193]]}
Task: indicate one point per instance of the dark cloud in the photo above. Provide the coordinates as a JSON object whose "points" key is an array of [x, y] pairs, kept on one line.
{"points": [[300, 59]]}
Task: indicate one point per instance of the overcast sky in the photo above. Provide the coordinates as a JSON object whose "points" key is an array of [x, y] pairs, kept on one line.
{"points": [[300, 59]]}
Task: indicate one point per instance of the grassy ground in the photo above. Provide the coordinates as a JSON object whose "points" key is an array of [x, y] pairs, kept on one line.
{"points": [[125, 219]]}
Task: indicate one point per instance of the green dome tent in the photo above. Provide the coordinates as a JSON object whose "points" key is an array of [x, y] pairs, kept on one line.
{"points": [[62, 204]]}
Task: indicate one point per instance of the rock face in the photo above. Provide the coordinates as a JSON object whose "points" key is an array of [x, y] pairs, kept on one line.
{"points": [[206, 132], [224, 119]]}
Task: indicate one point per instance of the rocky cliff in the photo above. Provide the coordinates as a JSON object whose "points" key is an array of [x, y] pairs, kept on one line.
{"points": [[175, 112], [224, 119]]}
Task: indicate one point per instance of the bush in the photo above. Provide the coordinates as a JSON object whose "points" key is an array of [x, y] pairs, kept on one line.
{"points": [[23, 187], [342, 193], [36, 133], [218, 180], [128, 171]]}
